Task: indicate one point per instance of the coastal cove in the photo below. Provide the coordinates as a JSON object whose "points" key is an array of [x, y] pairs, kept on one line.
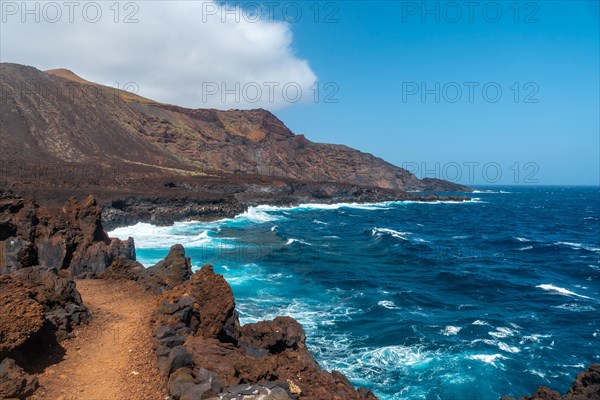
{"points": [[418, 300]]}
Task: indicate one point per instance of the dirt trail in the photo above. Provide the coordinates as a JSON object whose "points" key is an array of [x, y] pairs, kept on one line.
{"points": [[112, 357]]}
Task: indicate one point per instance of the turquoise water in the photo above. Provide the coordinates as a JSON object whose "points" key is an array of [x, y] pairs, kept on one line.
{"points": [[419, 301]]}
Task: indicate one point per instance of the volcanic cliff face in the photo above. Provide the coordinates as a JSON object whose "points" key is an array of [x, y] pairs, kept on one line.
{"points": [[73, 132]]}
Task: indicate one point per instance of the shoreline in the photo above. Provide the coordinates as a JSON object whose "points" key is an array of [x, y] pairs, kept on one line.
{"points": [[166, 212], [199, 348], [190, 349]]}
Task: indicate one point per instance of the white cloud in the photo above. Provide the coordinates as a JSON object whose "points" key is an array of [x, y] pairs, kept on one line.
{"points": [[177, 52]]}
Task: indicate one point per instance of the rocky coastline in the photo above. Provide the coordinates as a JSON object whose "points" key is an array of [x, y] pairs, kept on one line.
{"points": [[200, 348], [166, 210]]}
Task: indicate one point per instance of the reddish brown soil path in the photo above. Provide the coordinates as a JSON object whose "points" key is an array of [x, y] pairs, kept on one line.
{"points": [[112, 356]]}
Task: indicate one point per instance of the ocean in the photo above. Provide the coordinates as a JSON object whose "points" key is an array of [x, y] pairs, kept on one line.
{"points": [[445, 300]]}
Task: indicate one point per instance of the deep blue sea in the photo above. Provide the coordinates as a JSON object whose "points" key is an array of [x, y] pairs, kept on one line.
{"points": [[414, 300]]}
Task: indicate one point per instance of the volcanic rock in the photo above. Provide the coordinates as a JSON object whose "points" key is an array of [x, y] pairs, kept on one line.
{"points": [[174, 269], [585, 387], [14, 382], [266, 360], [58, 297], [71, 238], [21, 315]]}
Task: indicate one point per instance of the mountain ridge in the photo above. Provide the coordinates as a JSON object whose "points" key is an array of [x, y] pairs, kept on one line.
{"points": [[58, 118]]}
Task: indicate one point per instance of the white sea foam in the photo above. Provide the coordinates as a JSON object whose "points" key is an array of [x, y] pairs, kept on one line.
{"points": [[536, 372], [479, 322], [535, 338], [388, 304], [472, 200], [292, 240], [148, 236], [521, 239], [392, 232], [325, 206], [310, 316], [488, 358], [257, 215], [450, 330], [502, 346], [578, 366], [395, 356], [151, 236], [502, 332], [574, 307], [563, 291], [316, 221], [526, 248], [578, 246], [491, 191]]}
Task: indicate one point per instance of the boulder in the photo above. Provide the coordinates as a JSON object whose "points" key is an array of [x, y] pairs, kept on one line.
{"points": [[58, 298], [213, 299], [16, 253], [586, 385], [174, 269], [21, 316], [14, 382], [274, 336], [70, 238], [180, 382], [123, 269], [179, 357]]}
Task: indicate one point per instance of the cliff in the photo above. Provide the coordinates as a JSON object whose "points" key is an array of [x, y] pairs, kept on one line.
{"points": [[62, 135]]}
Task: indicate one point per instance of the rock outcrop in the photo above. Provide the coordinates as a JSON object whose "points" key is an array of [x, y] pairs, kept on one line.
{"points": [[166, 210], [71, 239], [38, 309], [42, 249], [206, 354], [585, 387], [21, 317], [174, 269], [14, 382], [61, 303]]}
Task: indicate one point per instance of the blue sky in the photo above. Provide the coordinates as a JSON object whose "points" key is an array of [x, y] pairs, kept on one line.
{"points": [[377, 51]]}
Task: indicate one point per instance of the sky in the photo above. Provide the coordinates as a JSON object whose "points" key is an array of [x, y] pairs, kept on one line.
{"points": [[474, 92]]}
